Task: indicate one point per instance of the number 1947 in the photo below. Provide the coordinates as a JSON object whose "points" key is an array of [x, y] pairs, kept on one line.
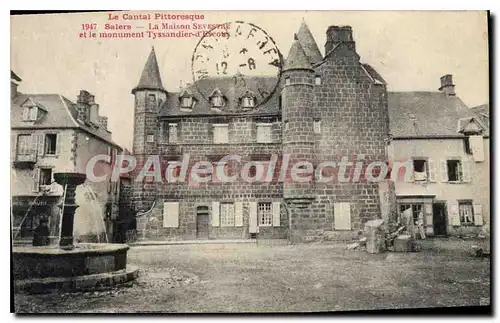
{"points": [[89, 26]]}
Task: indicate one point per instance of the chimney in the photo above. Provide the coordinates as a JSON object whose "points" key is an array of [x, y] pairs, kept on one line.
{"points": [[339, 34], [447, 86], [94, 113]]}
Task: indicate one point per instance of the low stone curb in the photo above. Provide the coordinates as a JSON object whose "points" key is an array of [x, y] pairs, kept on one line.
{"points": [[77, 283]]}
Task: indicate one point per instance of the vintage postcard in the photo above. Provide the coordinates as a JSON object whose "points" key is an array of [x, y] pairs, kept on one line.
{"points": [[250, 161]]}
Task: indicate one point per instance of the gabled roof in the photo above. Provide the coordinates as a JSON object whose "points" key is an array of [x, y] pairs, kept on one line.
{"points": [[308, 43], [470, 125], [297, 58], [425, 114], [203, 89], [150, 77], [374, 75], [61, 113]]}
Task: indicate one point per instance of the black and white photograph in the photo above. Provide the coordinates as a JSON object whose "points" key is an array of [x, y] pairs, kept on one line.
{"points": [[250, 162]]}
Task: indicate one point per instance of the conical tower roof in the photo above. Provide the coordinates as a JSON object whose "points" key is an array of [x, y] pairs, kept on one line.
{"points": [[308, 43], [150, 77], [297, 58]]}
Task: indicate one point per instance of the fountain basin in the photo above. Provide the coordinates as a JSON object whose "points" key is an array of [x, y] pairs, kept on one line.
{"points": [[85, 259]]}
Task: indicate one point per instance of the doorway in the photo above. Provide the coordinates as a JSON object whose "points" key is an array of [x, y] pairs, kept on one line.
{"points": [[202, 222], [439, 219]]}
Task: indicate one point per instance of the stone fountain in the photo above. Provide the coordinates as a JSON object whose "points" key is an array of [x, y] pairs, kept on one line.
{"points": [[70, 267]]}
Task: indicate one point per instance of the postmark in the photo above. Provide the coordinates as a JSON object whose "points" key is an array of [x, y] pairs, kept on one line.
{"points": [[244, 52]]}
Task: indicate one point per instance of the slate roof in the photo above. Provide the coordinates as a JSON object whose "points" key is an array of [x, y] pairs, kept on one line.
{"points": [[377, 78], [308, 43], [426, 114], [61, 113], [150, 77], [232, 91], [297, 58]]}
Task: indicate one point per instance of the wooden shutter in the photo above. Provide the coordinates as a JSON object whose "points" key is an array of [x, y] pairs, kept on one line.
{"points": [[215, 214], [276, 209], [238, 214], [252, 217], [36, 179], [41, 142], [34, 144], [454, 215], [58, 143], [410, 178], [464, 165], [477, 147], [171, 214], [342, 214], [478, 214], [432, 170], [444, 171]]}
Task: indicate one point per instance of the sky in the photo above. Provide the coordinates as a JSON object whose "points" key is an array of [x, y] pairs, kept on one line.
{"points": [[410, 49]]}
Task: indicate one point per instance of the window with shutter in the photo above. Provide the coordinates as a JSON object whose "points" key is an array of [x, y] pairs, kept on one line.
{"points": [[221, 133], [171, 214], [172, 133], [342, 216], [317, 126], [264, 133], [36, 180], [477, 147], [50, 144], [227, 215], [466, 213], [24, 145]]}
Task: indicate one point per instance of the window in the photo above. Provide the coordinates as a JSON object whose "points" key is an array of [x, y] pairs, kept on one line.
{"points": [[317, 126], [221, 133], [227, 215], [30, 113], [454, 168], [50, 144], [172, 133], [217, 101], [317, 80], [187, 102], [24, 145], [467, 146], [151, 98], [286, 126], [150, 138], [466, 213], [264, 214], [45, 177], [416, 209], [247, 102], [264, 133], [420, 171], [287, 80]]}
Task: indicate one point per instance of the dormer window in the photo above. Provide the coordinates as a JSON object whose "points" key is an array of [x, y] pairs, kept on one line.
{"points": [[187, 101], [217, 99], [151, 98], [248, 101], [32, 110]]}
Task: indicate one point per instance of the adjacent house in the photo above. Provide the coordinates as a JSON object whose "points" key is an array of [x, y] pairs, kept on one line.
{"points": [[50, 134], [448, 146]]}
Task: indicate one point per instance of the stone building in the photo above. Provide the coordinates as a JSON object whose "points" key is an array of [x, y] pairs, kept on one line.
{"points": [[327, 108], [51, 134], [448, 146]]}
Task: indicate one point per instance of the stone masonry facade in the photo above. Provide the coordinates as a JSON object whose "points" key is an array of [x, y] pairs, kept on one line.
{"points": [[324, 109]]}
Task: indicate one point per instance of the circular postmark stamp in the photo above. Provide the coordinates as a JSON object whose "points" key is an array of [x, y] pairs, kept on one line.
{"points": [[244, 55]]}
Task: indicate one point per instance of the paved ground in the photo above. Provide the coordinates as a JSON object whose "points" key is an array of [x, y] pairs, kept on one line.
{"points": [[266, 277]]}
